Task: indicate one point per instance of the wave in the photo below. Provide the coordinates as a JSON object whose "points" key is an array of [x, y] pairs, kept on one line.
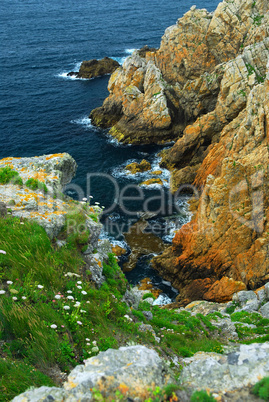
{"points": [[121, 59], [85, 122], [64, 74]]}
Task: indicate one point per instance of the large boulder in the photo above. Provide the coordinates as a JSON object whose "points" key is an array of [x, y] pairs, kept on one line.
{"points": [[226, 373], [132, 371], [95, 68]]}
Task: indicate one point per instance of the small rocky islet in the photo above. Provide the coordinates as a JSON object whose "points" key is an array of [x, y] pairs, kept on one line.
{"points": [[206, 88]]}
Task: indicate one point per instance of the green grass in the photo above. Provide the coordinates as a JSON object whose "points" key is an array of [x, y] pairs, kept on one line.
{"points": [[16, 376], [8, 175], [52, 313], [35, 184], [261, 389], [202, 396]]}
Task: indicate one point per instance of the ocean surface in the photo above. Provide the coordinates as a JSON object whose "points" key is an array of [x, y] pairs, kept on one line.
{"points": [[42, 111]]}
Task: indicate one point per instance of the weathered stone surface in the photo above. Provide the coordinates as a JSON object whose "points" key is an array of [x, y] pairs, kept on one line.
{"points": [[227, 236], [264, 310], [222, 373], [96, 68], [133, 369], [42, 394], [47, 208], [157, 93]]}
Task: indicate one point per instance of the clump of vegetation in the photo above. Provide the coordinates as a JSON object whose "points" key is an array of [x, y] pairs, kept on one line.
{"points": [[202, 396], [35, 184], [261, 389], [8, 175], [148, 295], [257, 332]]}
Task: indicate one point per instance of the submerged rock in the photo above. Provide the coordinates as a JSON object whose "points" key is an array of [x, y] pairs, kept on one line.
{"points": [[136, 167], [141, 243]]}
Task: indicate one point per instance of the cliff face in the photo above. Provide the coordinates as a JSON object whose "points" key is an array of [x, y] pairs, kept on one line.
{"points": [[226, 245], [156, 94], [206, 87]]}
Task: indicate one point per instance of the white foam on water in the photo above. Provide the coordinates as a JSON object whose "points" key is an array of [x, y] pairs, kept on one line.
{"points": [[64, 74], [162, 300], [85, 122], [130, 51]]}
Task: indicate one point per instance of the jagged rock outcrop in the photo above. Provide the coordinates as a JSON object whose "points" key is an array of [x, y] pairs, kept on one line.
{"points": [[226, 244], [95, 68], [155, 94]]}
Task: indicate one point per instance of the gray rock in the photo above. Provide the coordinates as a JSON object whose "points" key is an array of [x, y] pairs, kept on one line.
{"points": [[244, 296], [148, 315], [44, 394], [132, 298], [264, 310], [222, 373], [135, 366], [247, 300], [261, 295], [266, 289], [226, 327]]}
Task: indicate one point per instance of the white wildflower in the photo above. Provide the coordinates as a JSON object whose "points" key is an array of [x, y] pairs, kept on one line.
{"points": [[2, 252], [79, 282], [69, 291], [70, 297], [9, 282], [79, 287], [83, 292], [79, 322], [2, 292], [24, 297], [57, 296], [40, 286], [66, 308], [14, 298], [53, 326], [95, 349]]}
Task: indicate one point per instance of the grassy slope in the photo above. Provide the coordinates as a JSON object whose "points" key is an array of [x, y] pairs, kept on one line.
{"points": [[52, 314]]}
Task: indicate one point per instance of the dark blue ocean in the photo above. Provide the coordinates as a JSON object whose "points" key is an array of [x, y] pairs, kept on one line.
{"points": [[42, 111]]}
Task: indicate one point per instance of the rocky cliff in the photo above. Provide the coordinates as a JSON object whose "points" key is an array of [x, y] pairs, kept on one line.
{"points": [[157, 93], [225, 246], [206, 87]]}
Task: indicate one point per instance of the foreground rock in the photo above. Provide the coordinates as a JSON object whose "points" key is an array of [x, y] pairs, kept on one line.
{"points": [[129, 370], [95, 68], [221, 374]]}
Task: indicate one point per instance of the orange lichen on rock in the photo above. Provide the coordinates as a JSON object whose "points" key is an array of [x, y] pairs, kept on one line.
{"points": [[54, 156]]}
